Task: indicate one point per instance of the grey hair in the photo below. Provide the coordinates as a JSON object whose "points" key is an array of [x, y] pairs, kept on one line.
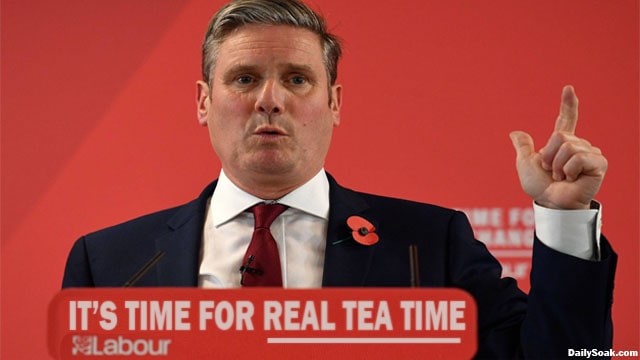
{"points": [[238, 13]]}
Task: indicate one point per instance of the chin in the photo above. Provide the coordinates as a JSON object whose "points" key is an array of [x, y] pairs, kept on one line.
{"points": [[272, 165]]}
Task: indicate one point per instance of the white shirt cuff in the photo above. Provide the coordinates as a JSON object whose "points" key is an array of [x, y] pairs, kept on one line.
{"points": [[571, 232]]}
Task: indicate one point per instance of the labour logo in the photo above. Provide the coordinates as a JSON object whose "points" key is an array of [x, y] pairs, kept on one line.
{"points": [[82, 344]]}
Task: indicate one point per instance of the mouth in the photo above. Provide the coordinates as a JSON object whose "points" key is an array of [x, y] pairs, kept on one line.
{"points": [[269, 131]]}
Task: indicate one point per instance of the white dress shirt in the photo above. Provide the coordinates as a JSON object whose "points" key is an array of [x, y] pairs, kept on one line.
{"points": [[572, 232], [300, 233], [301, 230]]}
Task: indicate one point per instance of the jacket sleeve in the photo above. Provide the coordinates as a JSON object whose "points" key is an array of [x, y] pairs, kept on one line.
{"points": [[569, 303], [568, 306]]}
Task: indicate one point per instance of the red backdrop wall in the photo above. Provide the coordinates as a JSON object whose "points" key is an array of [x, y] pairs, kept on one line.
{"points": [[99, 126]]}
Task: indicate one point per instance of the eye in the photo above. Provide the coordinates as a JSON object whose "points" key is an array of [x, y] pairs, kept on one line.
{"points": [[244, 79], [298, 80]]}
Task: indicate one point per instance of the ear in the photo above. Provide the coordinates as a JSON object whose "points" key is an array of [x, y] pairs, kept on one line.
{"points": [[203, 101], [335, 103]]}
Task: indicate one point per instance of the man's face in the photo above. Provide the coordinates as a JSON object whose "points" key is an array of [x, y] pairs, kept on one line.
{"points": [[269, 110]]}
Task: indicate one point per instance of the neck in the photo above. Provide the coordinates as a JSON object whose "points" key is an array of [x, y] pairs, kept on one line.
{"points": [[269, 187]]}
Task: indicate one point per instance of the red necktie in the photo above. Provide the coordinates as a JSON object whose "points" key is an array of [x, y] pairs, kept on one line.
{"points": [[261, 263]]}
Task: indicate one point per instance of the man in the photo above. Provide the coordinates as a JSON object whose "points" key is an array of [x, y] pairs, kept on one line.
{"points": [[270, 101]]}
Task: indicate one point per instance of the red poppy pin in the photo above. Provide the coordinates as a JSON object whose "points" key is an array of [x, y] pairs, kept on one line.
{"points": [[362, 230]]}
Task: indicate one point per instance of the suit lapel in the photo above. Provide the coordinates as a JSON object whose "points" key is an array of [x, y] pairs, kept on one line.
{"points": [[181, 244], [346, 262]]}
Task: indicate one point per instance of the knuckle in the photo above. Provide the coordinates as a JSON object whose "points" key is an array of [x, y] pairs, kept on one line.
{"points": [[562, 136], [568, 146], [605, 163]]}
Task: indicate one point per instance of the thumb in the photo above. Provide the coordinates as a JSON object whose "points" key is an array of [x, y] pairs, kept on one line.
{"points": [[523, 143]]}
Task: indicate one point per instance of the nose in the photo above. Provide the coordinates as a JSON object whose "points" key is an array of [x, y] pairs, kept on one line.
{"points": [[270, 98]]}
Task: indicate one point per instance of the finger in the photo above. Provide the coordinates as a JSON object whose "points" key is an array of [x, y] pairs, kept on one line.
{"points": [[568, 117], [569, 151], [522, 143], [555, 142], [589, 164]]}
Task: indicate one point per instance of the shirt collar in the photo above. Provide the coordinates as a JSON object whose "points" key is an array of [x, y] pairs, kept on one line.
{"points": [[228, 200]]}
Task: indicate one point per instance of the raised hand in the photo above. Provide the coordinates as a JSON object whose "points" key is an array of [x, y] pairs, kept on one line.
{"points": [[568, 171]]}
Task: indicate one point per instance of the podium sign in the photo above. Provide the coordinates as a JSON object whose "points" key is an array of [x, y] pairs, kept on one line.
{"points": [[262, 323]]}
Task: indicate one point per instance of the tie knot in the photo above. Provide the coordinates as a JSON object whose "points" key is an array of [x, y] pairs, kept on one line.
{"points": [[265, 214]]}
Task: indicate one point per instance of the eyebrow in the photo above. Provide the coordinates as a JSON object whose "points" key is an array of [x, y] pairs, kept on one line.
{"points": [[235, 69], [291, 67], [298, 68]]}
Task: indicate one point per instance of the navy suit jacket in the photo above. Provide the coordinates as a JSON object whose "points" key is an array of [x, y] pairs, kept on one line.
{"points": [[568, 306]]}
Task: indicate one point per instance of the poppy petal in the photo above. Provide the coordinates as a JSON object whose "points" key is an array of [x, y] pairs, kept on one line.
{"points": [[363, 231], [356, 222], [369, 239]]}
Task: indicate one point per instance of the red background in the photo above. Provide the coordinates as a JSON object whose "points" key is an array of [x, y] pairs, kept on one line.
{"points": [[99, 126]]}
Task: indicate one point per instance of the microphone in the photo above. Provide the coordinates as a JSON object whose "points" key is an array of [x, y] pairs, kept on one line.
{"points": [[144, 270], [414, 266], [246, 269]]}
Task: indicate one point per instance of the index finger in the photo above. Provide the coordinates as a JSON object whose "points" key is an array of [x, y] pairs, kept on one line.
{"points": [[568, 117]]}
